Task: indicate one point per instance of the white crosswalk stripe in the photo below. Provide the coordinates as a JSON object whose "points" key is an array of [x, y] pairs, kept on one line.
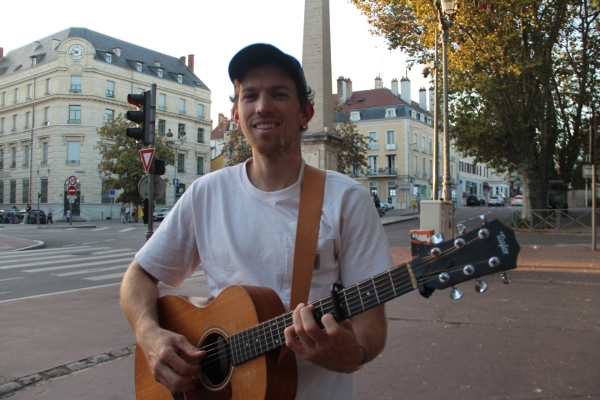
{"points": [[46, 260]]}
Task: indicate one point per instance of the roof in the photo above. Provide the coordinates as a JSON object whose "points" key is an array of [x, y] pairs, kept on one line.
{"points": [[219, 131], [43, 50]]}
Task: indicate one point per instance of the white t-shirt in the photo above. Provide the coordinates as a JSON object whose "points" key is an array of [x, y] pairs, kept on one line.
{"points": [[245, 236]]}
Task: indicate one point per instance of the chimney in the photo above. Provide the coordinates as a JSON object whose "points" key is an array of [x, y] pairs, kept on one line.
{"points": [[36, 45], [341, 90], [378, 84], [221, 118], [348, 88], [191, 62], [423, 98], [405, 90], [117, 51], [395, 87], [55, 43], [1, 53], [431, 99], [182, 59]]}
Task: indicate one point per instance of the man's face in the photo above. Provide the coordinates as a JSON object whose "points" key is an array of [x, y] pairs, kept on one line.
{"points": [[268, 111]]}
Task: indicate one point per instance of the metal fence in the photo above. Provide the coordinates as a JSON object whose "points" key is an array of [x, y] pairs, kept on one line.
{"points": [[572, 220]]}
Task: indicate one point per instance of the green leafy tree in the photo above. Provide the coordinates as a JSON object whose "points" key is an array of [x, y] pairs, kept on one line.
{"points": [[353, 152], [236, 148], [521, 73], [120, 159]]}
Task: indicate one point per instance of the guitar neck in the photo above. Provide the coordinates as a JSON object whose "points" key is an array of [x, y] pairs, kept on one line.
{"points": [[353, 300]]}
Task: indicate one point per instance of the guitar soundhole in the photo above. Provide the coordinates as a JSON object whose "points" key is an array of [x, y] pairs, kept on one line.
{"points": [[216, 364]]}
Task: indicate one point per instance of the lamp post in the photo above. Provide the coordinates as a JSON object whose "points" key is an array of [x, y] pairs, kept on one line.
{"points": [[446, 12], [434, 65], [181, 139]]}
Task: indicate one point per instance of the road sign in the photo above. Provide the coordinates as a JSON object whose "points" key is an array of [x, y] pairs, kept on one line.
{"points": [[587, 172], [159, 187], [71, 197], [176, 182], [72, 180], [72, 190], [147, 155], [112, 192], [71, 200]]}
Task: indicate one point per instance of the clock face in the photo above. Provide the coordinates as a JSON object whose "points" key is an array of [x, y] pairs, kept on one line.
{"points": [[76, 52]]}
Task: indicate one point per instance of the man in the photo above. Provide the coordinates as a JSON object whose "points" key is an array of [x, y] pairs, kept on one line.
{"points": [[239, 222], [26, 217]]}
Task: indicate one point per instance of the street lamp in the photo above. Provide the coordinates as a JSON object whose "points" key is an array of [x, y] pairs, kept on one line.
{"points": [[181, 138], [446, 12], [434, 66]]}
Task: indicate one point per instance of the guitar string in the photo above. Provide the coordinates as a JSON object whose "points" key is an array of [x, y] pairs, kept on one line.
{"points": [[324, 307]]}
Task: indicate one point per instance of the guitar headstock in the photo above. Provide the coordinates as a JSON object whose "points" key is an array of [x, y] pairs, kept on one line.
{"points": [[490, 249]]}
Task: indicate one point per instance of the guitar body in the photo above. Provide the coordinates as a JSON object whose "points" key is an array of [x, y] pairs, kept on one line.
{"points": [[235, 309]]}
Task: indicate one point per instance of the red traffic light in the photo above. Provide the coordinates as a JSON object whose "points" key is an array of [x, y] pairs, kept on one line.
{"points": [[137, 100]]}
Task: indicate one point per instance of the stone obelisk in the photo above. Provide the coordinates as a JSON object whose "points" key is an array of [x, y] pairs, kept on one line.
{"points": [[319, 146]]}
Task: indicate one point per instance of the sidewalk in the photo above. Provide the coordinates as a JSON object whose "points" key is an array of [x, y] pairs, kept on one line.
{"points": [[536, 338]]}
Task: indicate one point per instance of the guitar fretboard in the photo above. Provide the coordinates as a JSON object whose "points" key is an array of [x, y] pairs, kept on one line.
{"points": [[353, 300]]}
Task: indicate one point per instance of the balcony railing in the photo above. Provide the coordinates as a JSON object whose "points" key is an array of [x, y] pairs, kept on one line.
{"points": [[162, 107], [417, 173], [390, 146], [430, 152], [425, 175], [110, 93], [75, 89], [381, 171], [452, 158], [74, 121], [25, 164], [373, 146], [415, 147], [45, 123], [13, 164], [44, 162], [76, 162], [182, 112]]}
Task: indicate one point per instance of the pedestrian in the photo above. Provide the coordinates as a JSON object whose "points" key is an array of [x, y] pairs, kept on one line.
{"points": [[133, 213], [127, 214], [49, 219], [123, 209], [253, 207], [26, 217], [68, 214], [377, 204]]}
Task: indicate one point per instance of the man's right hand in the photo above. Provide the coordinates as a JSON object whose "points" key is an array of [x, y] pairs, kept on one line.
{"points": [[172, 360]]}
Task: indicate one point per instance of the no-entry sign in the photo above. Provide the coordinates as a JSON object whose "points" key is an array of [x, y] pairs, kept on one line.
{"points": [[72, 190]]}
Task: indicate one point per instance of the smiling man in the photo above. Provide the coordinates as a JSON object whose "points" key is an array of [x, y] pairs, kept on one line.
{"points": [[240, 224]]}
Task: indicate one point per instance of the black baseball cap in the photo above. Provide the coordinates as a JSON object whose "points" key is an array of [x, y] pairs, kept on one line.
{"points": [[259, 54]]}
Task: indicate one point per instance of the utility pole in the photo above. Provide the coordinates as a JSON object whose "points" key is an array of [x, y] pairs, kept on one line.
{"points": [[594, 177]]}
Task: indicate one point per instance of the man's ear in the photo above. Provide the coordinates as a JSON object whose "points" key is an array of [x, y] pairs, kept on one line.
{"points": [[308, 111], [235, 116]]}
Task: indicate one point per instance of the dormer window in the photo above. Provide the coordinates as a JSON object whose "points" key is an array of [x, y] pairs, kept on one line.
{"points": [[428, 121], [138, 66], [355, 116], [160, 73], [422, 118], [108, 58], [390, 113], [33, 60], [413, 114], [180, 78]]}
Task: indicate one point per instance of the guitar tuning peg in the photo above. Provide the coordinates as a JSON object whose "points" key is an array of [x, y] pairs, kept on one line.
{"points": [[456, 293], [461, 229], [483, 219], [480, 286], [437, 238], [505, 278]]}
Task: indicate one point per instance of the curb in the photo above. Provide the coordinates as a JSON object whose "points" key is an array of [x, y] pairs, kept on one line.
{"points": [[39, 245], [399, 219], [65, 227]]}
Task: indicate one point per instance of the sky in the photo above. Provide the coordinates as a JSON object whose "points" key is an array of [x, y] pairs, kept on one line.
{"points": [[214, 31]]}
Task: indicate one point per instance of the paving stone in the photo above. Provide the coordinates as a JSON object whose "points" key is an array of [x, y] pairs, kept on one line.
{"points": [[56, 372], [9, 387], [120, 352], [77, 365], [28, 380], [100, 358]]}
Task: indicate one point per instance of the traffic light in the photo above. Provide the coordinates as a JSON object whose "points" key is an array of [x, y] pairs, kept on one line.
{"points": [[146, 210], [141, 117], [159, 167]]}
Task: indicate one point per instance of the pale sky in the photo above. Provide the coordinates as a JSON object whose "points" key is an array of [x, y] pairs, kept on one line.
{"points": [[214, 31]]}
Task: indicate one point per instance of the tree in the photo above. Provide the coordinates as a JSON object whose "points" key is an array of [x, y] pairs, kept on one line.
{"points": [[120, 159], [236, 148], [520, 75], [353, 152]]}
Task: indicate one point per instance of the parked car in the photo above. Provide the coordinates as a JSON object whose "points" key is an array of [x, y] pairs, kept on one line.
{"points": [[386, 206], [32, 219], [517, 201], [161, 213], [472, 200], [495, 201], [481, 200]]}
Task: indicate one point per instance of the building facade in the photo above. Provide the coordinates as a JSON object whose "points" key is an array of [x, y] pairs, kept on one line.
{"points": [[54, 95]]}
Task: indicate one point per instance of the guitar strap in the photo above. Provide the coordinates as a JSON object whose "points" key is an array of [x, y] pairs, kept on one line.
{"points": [[307, 234]]}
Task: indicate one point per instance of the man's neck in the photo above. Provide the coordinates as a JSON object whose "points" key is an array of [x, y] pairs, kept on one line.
{"points": [[270, 175]]}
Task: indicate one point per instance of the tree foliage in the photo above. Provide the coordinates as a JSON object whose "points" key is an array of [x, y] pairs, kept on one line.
{"points": [[120, 159], [353, 152], [236, 148], [521, 74]]}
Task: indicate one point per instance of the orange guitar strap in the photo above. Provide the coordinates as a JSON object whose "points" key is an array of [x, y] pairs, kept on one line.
{"points": [[307, 234]]}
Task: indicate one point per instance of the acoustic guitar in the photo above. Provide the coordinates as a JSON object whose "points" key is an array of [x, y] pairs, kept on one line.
{"points": [[242, 328]]}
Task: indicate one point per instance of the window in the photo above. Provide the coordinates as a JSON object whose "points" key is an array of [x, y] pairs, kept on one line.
{"points": [[75, 84], [372, 165], [138, 66], [161, 126], [160, 72], [109, 115], [355, 116], [14, 124], [3, 99], [422, 117], [1, 162], [391, 163], [200, 138], [46, 120], [2, 125], [424, 167], [423, 141], [1, 192], [110, 89], [200, 166], [27, 117], [25, 190], [29, 92], [26, 156], [13, 191], [74, 115], [373, 145], [13, 161], [181, 106], [44, 153], [48, 86], [108, 58], [428, 120], [162, 102], [413, 114], [16, 95], [431, 146], [33, 61], [73, 148], [180, 78], [390, 112], [416, 166], [181, 163], [181, 128], [44, 190], [390, 143], [201, 111]]}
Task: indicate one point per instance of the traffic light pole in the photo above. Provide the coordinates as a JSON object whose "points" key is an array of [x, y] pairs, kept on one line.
{"points": [[150, 135]]}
